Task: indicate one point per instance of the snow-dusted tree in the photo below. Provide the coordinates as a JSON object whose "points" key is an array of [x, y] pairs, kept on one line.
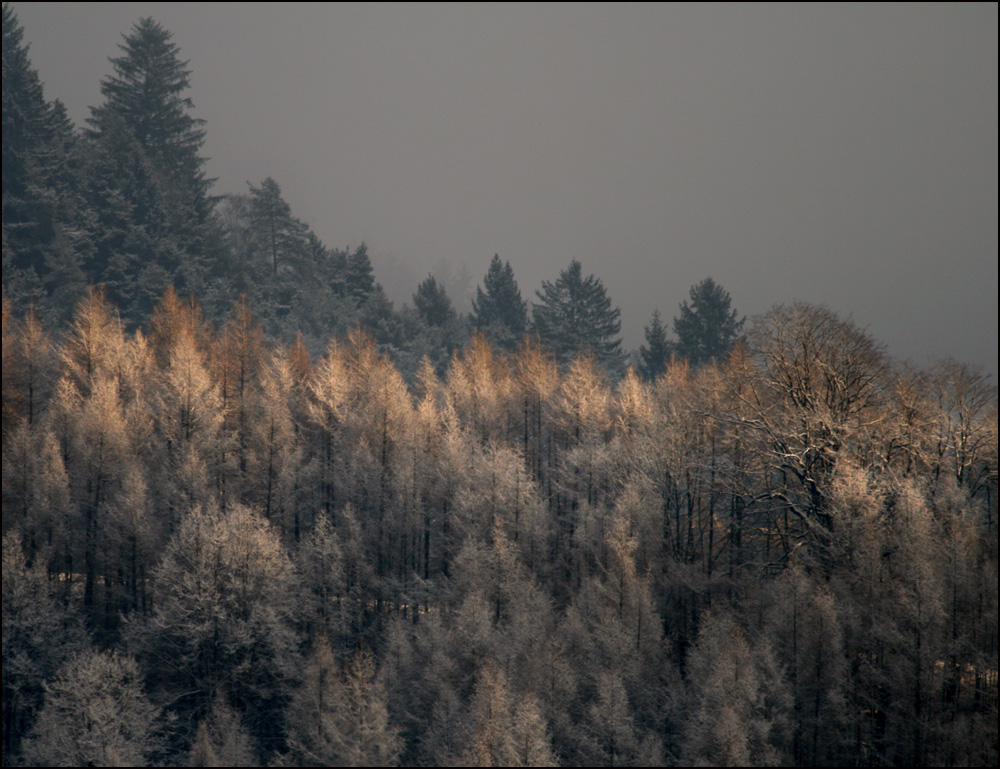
{"points": [[221, 739], [737, 700], [236, 360], [95, 340], [808, 634], [174, 321], [610, 736], [328, 406], [103, 455], [432, 303], [280, 237], [27, 370], [496, 492], [44, 217], [146, 92], [503, 730], [378, 430], [188, 421], [964, 400], [536, 381], [95, 714], [817, 390], [275, 457], [583, 416], [223, 619], [36, 488], [338, 716], [480, 389], [320, 565], [39, 635]]}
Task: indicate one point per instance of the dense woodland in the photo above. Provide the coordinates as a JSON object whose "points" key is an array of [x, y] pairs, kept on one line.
{"points": [[253, 513]]}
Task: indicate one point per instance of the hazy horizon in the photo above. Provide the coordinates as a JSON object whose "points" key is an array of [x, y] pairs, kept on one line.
{"points": [[841, 155]]}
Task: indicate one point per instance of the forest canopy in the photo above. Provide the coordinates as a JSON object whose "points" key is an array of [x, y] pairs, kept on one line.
{"points": [[254, 513]]}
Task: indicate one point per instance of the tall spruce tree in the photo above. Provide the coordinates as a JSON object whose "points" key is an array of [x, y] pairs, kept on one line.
{"points": [[145, 99], [281, 237], [575, 316], [359, 278], [43, 216], [707, 328], [654, 355], [24, 109], [499, 311], [432, 303], [147, 92]]}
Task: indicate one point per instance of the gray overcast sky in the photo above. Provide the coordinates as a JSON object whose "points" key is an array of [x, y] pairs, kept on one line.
{"points": [[839, 154]]}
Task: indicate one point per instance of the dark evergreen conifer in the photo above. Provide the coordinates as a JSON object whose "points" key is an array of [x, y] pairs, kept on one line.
{"points": [[147, 92], [24, 109], [499, 311], [707, 328], [280, 236], [654, 355], [43, 214], [433, 304], [575, 315], [359, 277], [145, 101]]}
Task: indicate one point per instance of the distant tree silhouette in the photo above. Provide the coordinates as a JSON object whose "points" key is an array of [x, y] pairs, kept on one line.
{"points": [[654, 355], [707, 328], [499, 311], [575, 315], [432, 303]]}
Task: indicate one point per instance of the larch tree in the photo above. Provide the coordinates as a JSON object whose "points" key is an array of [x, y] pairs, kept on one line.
{"points": [[188, 423], [172, 322], [222, 619], [222, 740], [339, 715], [28, 369], [94, 343], [808, 634], [536, 383], [36, 488], [103, 453], [491, 741], [321, 567], [479, 389], [95, 713], [39, 635], [275, 462], [328, 407], [237, 360], [737, 699]]}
